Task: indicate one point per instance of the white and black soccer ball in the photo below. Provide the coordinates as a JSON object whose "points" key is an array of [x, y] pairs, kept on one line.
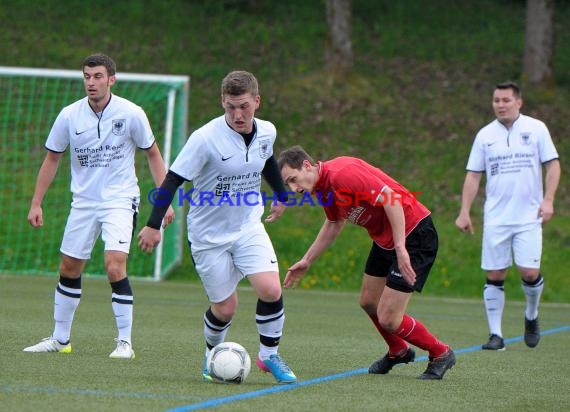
{"points": [[228, 362]]}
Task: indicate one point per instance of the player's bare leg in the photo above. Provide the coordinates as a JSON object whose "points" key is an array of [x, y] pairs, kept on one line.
{"points": [[398, 349]]}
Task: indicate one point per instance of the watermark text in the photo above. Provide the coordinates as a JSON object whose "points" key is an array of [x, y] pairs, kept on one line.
{"points": [[340, 197]]}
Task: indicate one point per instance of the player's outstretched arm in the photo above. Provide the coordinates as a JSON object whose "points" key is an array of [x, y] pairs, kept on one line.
{"points": [[295, 273], [327, 235]]}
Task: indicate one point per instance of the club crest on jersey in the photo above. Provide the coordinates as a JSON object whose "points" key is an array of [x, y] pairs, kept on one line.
{"points": [[264, 149], [119, 127], [525, 138]]}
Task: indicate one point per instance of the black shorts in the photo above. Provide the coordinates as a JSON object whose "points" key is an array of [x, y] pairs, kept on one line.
{"points": [[421, 244]]}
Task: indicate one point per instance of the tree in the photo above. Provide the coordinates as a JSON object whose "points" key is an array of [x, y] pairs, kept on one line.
{"points": [[338, 53], [539, 42]]}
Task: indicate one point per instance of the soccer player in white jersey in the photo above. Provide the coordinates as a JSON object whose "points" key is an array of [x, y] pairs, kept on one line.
{"points": [[225, 160], [102, 131], [511, 151]]}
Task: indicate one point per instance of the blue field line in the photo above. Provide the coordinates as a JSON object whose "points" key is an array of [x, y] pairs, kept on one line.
{"points": [[210, 403]]}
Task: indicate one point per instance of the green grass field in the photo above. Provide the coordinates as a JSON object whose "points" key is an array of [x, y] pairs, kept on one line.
{"points": [[328, 342]]}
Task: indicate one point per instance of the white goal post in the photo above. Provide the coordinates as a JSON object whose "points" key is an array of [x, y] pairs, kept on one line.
{"points": [[31, 100]]}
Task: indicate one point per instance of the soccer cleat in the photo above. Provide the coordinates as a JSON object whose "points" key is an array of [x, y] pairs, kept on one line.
{"points": [[123, 350], [531, 332], [495, 343], [205, 373], [438, 366], [49, 345], [385, 364], [278, 368]]}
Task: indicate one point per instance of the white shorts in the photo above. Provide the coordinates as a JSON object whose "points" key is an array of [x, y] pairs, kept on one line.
{"points": [[222, 267], [500, 243], [115, 221]]}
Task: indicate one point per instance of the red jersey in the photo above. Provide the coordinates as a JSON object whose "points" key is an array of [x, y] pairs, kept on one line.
{"points": [[351, 189]]}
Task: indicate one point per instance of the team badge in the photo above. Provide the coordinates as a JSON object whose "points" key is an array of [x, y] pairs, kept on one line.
{"points": [[119, 127], [264, 149], [525, 138]]}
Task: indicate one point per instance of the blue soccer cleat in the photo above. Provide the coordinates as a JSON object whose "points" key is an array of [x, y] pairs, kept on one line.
{"points": [[205, 372], [278, 368]]}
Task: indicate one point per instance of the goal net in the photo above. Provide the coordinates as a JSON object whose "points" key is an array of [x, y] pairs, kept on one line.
{"points": [[31, 100]]}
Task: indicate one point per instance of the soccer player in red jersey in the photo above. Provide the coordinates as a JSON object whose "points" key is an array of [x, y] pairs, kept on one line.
{"points": [[404, 247]]}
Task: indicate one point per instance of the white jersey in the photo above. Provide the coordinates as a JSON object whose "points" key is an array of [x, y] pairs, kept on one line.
{"points": [[102, 150], [512, 159], [226, 175]]}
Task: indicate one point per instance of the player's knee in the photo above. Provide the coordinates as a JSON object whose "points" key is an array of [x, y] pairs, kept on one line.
{"points": [[70, 267], [116, 266], [388, 323], [67, 271], [271, 293], [529, 275], [367, 306], [115, 271], [497, 275], [224, 311]]}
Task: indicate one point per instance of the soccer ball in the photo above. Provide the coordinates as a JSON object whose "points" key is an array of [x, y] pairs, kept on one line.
{"points": [[228, 362]]}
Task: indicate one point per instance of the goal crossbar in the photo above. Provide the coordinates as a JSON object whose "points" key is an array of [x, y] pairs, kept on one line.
{"points": [[77, 74]]}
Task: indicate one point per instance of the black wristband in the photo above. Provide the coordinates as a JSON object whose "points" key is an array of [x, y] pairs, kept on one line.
{"points": [[162, 199]]}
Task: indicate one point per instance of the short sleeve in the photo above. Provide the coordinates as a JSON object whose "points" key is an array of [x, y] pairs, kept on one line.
{"points": [[476, 161]]}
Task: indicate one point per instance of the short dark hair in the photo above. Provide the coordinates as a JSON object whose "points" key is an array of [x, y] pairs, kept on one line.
{"points": [[510, 85], [293, 157], [100, 59], [240, 82]]}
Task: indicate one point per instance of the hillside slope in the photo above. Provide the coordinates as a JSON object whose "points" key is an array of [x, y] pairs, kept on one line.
{"points": [[421, 88]]}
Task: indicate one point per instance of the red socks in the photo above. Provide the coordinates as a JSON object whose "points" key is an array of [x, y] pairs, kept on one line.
{"points": [[414, 332], [396, 345]]}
